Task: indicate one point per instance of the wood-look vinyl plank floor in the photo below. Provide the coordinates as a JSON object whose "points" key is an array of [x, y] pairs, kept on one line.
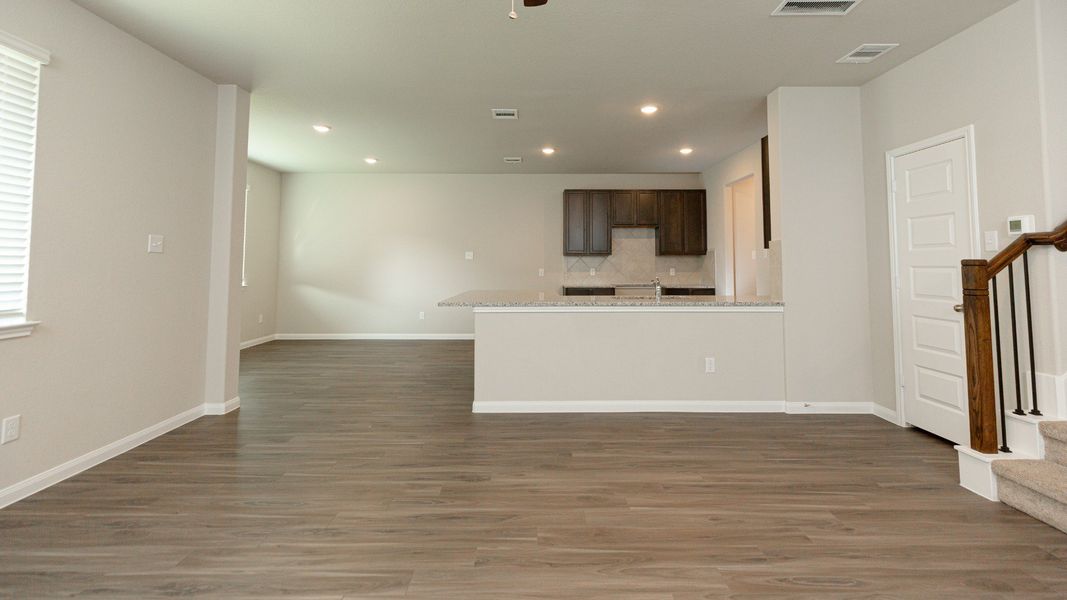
{"points": [[355, 470]]}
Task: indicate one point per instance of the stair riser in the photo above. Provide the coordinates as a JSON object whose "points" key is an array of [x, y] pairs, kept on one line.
{"points": [[1037, 505], [1056, 451]]}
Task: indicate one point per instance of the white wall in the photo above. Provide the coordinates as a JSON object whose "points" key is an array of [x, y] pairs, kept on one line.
{"points": [[366, 253], [126, 147], [987, 76], [260, 294], [819, 189]]}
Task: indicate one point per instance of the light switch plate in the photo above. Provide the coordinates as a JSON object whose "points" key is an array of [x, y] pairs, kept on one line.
{"points": [[540, 272], [469, 255], [155, 243], [709, 364], [992, 241], [422, 315]]}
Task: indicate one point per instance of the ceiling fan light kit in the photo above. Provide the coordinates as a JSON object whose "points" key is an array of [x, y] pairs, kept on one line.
{"points": [[528, 4]]}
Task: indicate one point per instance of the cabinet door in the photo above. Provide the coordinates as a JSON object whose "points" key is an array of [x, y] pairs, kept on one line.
{"points": [[599, 231], [670, 235], [696, 222], [575, 222], [623, 207], [645, 209]]}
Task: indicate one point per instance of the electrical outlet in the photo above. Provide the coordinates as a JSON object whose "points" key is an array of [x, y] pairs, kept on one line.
{"points": [[155, 244], [469, 255], [10, 429], [541, 272], [709, 365], [260, 317], [672, 272], [592, 272], [422, 315]]}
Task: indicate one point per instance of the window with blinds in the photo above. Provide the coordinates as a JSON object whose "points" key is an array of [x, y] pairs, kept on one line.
{"points": [[19, 81]]}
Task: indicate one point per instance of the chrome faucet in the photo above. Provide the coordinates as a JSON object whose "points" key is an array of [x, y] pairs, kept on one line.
{"points": [[659, 289]]}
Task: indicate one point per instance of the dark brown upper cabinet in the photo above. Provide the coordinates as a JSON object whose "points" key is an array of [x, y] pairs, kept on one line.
{"points": [[632, 208], [587, 222], [683, 223]]}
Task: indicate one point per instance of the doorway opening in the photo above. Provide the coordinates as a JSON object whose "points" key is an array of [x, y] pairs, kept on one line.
{"points": [[745, 236]]}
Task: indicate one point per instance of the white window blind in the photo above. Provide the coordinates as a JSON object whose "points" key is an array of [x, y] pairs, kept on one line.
{"points": [[19, 80]]}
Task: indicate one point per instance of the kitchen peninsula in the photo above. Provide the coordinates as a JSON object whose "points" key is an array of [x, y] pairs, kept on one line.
{"points": [[542, 351]]}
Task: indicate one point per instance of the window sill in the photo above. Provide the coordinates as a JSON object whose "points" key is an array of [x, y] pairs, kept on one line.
{"points": [[16, 327]]}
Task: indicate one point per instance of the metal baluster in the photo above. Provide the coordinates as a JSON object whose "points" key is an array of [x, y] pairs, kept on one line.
{"points": [[1015, 343], [1030, 332], [1000, 370]]}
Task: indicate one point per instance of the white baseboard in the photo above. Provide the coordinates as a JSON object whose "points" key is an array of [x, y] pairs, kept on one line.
{"points": [[221, 408], [829, 408], [885, 413], [258, 341], [374, 336], [27, 487], [626, 406]]}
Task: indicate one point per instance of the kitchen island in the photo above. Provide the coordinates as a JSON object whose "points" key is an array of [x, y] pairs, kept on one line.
{"points": [[541, 351]]}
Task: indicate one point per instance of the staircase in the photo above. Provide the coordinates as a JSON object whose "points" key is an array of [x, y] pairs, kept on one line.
{"points": [[1038, 487]]}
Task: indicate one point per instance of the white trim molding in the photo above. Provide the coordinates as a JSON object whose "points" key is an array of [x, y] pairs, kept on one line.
{"points": [[627, 406], [258, 341], [16, 328], [676, 406], [27, 487], [374, 336], [28, 49], [829, 408], [221, 408], [886, 413], [778, 308]]}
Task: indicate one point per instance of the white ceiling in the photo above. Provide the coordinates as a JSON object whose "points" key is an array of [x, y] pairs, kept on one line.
{"points": [[411, 82]]}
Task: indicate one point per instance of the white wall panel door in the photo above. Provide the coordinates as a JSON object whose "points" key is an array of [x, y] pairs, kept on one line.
{"points": [[934, 232]]}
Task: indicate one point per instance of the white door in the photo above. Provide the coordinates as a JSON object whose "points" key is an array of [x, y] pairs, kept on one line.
{"points": [[934, 232]]}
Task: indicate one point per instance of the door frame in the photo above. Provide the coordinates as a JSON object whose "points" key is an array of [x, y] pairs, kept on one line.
{"points": [[966, 134], [728, 231]]}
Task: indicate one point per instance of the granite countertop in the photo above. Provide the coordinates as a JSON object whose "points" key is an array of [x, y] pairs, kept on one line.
{"points": [[550, 298]]}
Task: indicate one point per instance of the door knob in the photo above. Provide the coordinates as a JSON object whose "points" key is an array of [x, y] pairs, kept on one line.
{"points": [[958, 308]]}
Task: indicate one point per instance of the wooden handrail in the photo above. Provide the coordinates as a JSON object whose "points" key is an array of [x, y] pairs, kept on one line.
{"points": [[1005, 257], [982, 400]]}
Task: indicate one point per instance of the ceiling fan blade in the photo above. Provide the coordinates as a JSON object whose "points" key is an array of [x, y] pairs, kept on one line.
{"points": [[528, 3]]}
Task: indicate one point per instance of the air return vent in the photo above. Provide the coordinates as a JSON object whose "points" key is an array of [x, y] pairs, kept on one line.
{"points": [[505, 113], [815, 8], [513, 160], [866, 53]]}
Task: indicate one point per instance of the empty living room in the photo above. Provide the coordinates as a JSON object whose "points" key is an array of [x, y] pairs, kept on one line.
{"points": [[515, 299]]}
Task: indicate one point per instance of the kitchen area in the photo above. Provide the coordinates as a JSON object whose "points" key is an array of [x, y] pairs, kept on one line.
{"points": [[634, 325]]}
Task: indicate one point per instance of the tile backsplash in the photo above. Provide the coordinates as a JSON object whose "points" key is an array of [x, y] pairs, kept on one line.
{"points": [[633, 260]]}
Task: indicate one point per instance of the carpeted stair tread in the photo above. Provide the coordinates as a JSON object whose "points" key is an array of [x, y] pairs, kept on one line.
{"points": [[1056, 430], [1044, 477]]}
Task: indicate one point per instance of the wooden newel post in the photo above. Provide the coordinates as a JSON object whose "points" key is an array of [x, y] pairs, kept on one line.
{"points": [[976, 315]]}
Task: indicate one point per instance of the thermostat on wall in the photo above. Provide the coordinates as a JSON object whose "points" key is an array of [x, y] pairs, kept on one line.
{"points": [[1021, 224]]}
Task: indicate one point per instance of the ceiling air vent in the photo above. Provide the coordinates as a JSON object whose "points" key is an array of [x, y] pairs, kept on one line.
{"points": [[513, 160], [505, 113], [815, 8], [866, 53]]}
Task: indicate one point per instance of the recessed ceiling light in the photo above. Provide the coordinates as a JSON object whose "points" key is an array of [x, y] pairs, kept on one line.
{"points": [[370, 160], [686, 151], [322, 128], [650, 109], [548, 151]]}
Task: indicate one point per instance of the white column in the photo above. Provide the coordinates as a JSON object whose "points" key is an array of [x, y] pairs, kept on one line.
{"points": [[227, 240]]}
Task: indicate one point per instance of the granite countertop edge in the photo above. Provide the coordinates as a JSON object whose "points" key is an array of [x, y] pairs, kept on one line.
{"points": [[471, 300]]}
